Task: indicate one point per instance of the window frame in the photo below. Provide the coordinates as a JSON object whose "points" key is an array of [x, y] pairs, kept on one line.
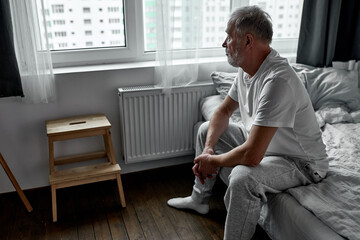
{"points": [[134, 51], [94, 56]]}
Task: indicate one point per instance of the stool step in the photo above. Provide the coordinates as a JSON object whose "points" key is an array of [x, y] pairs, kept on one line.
{"points": [[75, 124], [79, 158], [82, 173]]}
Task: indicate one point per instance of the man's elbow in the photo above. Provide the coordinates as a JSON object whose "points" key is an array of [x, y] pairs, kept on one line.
{"points": [[253, 160]]}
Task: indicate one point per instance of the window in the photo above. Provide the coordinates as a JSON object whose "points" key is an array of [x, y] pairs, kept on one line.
{"points": [[113, 9], [114, 20], [57, 8], [116, 31], [113, 36], [80, 16], [60, 34], [62, 45], [58, 22], [86, 10]]}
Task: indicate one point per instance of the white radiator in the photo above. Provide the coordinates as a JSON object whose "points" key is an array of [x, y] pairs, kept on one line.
{"points": [[156, 125]]}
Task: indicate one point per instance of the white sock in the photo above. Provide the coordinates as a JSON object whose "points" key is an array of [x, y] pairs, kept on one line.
{"points": [[188, 203]]}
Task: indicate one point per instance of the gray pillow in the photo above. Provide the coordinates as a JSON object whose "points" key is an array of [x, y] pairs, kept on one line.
{"points": [[209, 104], [223, 82], [330, 86]]}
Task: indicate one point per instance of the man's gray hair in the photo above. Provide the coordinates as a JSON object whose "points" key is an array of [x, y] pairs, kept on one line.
{"points": [[251, 19]]}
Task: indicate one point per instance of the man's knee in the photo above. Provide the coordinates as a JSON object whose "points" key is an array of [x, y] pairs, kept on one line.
{"points": [[241, 178]]}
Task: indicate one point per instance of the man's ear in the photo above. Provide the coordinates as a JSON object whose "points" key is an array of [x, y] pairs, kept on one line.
{"points": [[249, 39]]}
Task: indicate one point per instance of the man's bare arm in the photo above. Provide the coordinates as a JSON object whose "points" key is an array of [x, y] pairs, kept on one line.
{"points": [[250, 153], [220, 121]]}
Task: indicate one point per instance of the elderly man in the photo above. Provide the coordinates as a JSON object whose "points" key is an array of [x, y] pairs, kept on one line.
{"points": [[279, 145]]}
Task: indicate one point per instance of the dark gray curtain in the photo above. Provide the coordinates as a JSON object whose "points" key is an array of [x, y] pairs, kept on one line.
{"points": [[10, 82], [330, 31]]}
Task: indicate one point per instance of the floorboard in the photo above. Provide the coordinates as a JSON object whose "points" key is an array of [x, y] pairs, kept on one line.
{"points": [[93, 211]]}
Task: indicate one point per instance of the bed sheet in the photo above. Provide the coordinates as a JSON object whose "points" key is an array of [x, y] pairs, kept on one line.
{"points": [[336, 199]]}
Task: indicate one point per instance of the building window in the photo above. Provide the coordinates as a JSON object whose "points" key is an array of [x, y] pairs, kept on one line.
{"points": [[113, 9], [114, 20], [63, 45], [59, 22], [60, 34], [87, 21], [115, 43], [116, 31], [88, 33], [86, 10], [57, 8]]}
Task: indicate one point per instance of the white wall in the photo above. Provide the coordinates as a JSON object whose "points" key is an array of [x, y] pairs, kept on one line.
{"points": [[23, 140]]}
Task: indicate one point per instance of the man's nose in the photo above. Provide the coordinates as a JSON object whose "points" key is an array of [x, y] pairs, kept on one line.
{"points": [[224, 43]]}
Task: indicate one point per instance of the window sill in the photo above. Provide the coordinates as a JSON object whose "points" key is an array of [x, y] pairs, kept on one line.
{"points": [[103, 67], [145, 64], [132, 65]]}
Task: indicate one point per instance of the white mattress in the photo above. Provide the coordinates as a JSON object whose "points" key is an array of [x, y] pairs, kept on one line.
{"points": [[283, 218]]}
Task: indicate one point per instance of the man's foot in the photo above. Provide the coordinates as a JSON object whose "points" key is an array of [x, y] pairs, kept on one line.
{"points": [[188, 203]]}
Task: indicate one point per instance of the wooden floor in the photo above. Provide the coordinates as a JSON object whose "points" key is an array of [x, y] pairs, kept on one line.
{"points": [[93, 211]]}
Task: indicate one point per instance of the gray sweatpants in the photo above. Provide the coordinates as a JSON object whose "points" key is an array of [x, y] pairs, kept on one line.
{"points": [[247, 186]]}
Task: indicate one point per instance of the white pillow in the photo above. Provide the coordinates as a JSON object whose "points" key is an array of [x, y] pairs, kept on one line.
{"points": [[330, 86], [209, 104], [223, 82]]}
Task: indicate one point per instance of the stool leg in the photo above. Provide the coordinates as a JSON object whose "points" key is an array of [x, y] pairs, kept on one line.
{"points": [[109, 147], [15, 184], [51, 155], [53, 199], [121, 190]]}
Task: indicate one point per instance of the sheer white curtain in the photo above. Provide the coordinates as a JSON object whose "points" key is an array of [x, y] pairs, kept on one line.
{"points": [[171, 33], [32, 54]]}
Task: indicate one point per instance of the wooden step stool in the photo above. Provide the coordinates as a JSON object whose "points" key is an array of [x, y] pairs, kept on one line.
{"points": [[80, 127]]}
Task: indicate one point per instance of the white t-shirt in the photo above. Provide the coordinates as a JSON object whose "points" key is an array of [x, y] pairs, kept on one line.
{"points": [[276, 97]]}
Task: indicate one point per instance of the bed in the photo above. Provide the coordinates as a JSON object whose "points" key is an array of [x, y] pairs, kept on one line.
{"points": [[329, 209]]}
